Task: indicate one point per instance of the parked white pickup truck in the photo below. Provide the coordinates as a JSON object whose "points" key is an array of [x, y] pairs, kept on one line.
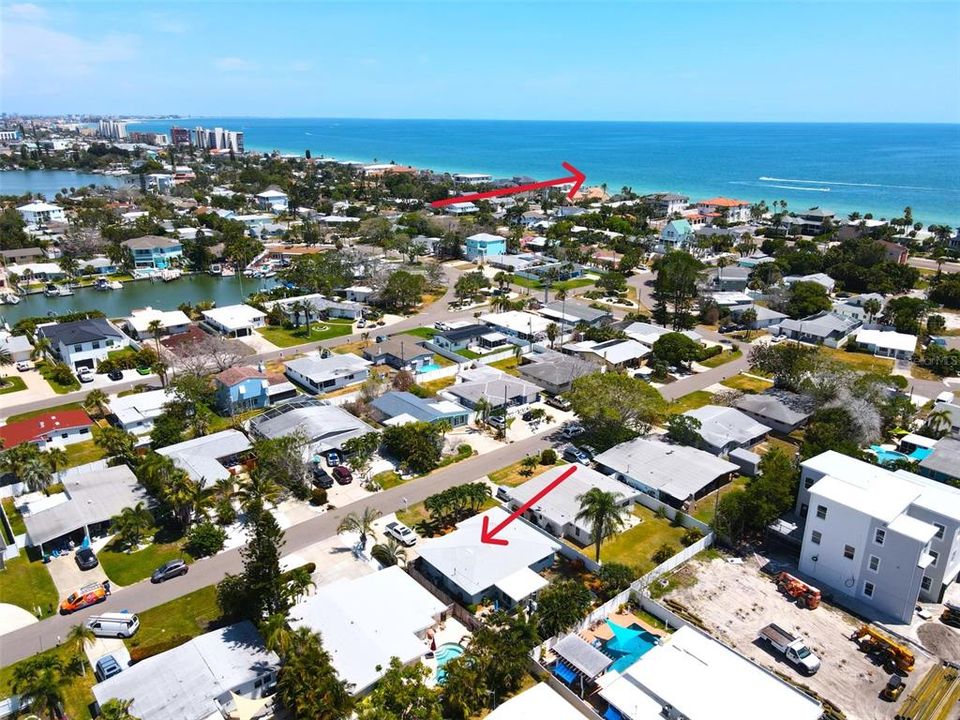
{"points": [[792, 647]]}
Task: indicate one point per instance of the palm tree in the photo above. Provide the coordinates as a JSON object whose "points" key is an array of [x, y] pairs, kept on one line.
{"points": [[297, 308], [180, 496], [57, 460], [41, 348], [154, 327], [871, 307], [79, 637], [96, 401], [604, 513], [132, 523], [939, 422], [256, 488], [276, 634], [361, 523], [298, 582], [5, 359], [482, 408], [552, 331], [38, 682], [115, 709], [117, 443], [389, 553]]}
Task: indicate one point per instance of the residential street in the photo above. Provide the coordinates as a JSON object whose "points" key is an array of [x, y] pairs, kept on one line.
{"points": [[142, 596]]}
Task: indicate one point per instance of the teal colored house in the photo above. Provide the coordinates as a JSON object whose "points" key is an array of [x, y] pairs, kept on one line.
{"points": [[239, 389], [483, 245], [676, 234], [154, 251]]}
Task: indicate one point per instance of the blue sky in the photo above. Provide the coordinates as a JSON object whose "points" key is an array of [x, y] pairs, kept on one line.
{"points": [[771, 60]]}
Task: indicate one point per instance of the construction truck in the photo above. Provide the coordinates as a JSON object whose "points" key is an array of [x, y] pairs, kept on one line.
{"points": [[792, 648], [806, 595], [950, 614], [889, 652]]}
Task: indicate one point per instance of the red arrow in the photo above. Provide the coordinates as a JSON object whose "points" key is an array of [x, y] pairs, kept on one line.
{"points": [[488, 536], [577, 179]]}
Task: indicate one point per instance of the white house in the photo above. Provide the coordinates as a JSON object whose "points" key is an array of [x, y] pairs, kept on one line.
{"points": [[733, 211], [884, 538], [234, 320], [887, 343], [136, 413], [41, 213], [319, 374], [518, 324], [172, 322], [272, 199]]}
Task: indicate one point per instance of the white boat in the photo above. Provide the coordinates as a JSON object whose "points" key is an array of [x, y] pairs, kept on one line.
{"points": [[227, 271], [57, 290], [167, 275], [104, 284], [215, 269], [12, 299], [115, 284]]}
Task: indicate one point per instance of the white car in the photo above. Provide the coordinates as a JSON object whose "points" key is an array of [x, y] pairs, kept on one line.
{"points": [[403, 534], [85, 375], [24, 365]]}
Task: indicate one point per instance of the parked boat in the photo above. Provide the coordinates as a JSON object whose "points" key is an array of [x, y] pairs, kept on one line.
{"points": [[53, 290], [168, 274], [227, 271], [215, 269], [105, 284], [9, 298]]}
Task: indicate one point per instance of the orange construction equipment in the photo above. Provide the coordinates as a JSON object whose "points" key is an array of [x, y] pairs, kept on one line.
{"points": [[806, 595], [893, 653]]}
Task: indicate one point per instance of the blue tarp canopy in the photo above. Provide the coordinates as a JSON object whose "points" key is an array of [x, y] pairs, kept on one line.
{"points": [[564, 673]]}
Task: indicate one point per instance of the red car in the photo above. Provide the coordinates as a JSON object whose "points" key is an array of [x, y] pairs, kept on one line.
{"points": [[342, 475]]}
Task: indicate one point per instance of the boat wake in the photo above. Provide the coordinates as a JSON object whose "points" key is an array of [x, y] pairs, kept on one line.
{"points": [[764, 178], [782, 187]]}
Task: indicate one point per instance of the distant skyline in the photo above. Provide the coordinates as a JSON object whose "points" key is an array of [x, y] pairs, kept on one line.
{"points": [[775, 61]]}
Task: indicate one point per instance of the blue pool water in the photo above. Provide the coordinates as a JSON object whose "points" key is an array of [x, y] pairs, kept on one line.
{"points": [[444, 654], [627, 645], [428, 367], [888, 456]]}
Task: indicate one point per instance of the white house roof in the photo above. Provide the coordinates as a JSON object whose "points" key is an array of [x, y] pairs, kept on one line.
{"points": [[647, 333], [272, 194], [327, 427], [140, 320], [200, 456], [38, 207], [689, 659], [358, 634], [476, 566], [517, 321], [676, 470], [561, 505], [540, 701], [185, 682], [234, 317], [721, 425], [614, 351], [521, 584], [319, 369], [139, 406], [888, 339]]}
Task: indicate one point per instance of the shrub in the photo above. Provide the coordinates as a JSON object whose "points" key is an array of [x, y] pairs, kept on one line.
{"points": [[318, 496], [548, 457], [615, 577], [464, 450], [691, 536], [664, 553], [205, 539]]}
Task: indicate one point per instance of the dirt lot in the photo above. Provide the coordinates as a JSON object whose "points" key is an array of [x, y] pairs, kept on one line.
{"points": [[736, 601]]}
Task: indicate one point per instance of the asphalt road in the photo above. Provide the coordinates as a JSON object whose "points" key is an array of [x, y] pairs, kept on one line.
{"points": [[42, 635]]}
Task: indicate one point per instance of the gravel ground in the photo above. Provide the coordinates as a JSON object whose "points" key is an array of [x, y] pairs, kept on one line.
{"points": [[735, 601]]}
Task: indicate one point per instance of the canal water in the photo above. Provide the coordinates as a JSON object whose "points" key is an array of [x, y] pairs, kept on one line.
{"points": [[49, 182], [141, 293]]}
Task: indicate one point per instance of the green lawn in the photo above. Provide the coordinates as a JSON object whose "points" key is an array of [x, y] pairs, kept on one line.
{"points": [[635, 546], [44, 369], [12, 384], [527, 283], [27, 584], [35, 413], [509, 365], [83, 452], [16, 520], [692, 401], [281, 337], [125, 568], [511, 475], [703, 508], [435, 386], [469, 354], [426, 333], [187, 616], [747, 384], [219, 422], [721, 359], [573, 283], [388, 479], [860, 361], [76, 690]]}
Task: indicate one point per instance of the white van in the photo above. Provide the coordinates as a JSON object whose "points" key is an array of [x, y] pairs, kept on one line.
{"points": [[121, 625]]}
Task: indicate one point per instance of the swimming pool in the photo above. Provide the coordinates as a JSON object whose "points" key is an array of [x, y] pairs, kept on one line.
{"points": [[627, 645], [427, 368], [886, 456], [444, 654]]}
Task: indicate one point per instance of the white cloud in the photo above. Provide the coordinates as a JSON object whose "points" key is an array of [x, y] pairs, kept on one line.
{"points": [[25, 11], [233, 64]]}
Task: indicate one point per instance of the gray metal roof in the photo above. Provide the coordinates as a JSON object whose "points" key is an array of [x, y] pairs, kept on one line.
{"points": [[582, 656], [320, 369], [945, 458], [201, 456], [392, 404], [93, 497], [779, 406], [404, 347], [554, 368], [676, 470], [822, 324], [184, 683], [575, 310], [79, 331], [493, 387], [720, 426], [327, 427]]}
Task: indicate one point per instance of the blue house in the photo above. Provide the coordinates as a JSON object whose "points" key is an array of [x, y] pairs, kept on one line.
{"points": [[239, 389], [483, 245], [676, 234], [154, 251]]}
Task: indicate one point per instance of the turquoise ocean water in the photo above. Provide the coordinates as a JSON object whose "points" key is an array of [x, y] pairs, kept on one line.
{"points": [[878, 168]]}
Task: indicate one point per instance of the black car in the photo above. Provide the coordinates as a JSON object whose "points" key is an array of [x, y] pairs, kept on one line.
{"points": [[170, 569], [86, 559], [728, 328], [115, 374], [321, 478]]}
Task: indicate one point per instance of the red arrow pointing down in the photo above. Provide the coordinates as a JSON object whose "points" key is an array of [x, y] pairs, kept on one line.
{"points": [[576, 178], [489, 536]]}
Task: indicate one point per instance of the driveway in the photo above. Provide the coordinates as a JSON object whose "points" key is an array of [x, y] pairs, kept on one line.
{"points": [[37, 389], [68, 577]]}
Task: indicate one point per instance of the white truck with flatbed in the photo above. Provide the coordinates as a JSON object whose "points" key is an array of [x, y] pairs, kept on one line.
{"points": [[792, 648]]}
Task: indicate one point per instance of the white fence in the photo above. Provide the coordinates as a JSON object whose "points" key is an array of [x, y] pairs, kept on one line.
{"points": [[678, 559], [659, 506]]}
